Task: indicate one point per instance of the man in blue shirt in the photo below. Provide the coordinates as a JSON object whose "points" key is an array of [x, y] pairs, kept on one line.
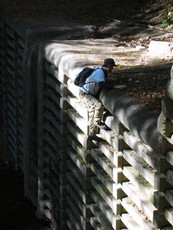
{"points": [[90, 94]]}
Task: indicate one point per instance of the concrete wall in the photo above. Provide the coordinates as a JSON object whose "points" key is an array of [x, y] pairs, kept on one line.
{"points": [[121, 181], [115, 181]]}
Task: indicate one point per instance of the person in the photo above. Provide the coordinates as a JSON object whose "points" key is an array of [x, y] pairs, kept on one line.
{"points": [[90, 91]]}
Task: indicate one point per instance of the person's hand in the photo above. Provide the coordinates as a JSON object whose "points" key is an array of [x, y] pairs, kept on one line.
{"points": [[120, 86]]}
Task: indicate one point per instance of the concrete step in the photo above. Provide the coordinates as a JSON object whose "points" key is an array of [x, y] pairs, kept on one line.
{"points": [[169, 215], [169, 196], [145, 170], [78, 120], [137, 214], [133, 225], [143, 186], [140, 200], [78, 106], [143, 150]]}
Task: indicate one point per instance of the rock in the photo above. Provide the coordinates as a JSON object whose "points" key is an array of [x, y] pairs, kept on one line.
{"points": [[160, 50]]}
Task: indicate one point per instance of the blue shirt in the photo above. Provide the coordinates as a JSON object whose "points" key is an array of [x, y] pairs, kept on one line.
{"points": [[96, 76], [96, 81]]}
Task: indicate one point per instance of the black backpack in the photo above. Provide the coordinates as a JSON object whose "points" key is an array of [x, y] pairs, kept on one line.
{"points": [[82, 76]]}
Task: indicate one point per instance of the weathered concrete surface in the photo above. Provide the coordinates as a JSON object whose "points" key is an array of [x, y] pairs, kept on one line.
{"points": [[71, 56], [139, 121], [159, 50]]}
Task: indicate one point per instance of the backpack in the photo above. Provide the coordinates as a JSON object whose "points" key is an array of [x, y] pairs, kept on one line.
{"points": [[82, 76]]}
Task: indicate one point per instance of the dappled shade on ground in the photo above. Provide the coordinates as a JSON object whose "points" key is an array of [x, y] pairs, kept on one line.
{"points": [[146, 83]]}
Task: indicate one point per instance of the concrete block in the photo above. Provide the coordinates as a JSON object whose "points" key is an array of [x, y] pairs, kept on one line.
{"points": [[169, 196], [102, 218], [169, 157], [143, 150], [141, 201], [169, 215], [78, 106], [64, 105], [169, 176], [80, 136], [140, 183], [149, 173], [160, 49], [137, 215], [78, 120]]}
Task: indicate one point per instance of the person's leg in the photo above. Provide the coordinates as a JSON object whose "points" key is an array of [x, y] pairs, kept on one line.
{"points": [[95, 112], [98, 115]]}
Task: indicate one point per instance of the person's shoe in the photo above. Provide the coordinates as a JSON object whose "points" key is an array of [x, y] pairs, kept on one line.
{"points": [[101, 126]]}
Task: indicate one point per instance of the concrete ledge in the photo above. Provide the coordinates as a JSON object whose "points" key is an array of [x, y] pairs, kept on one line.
{"points": [[160, 49], [71, 56], [139, 121]]}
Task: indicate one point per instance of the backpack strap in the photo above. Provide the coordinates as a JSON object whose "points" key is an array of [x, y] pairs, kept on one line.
{"points": [[105, 73]]}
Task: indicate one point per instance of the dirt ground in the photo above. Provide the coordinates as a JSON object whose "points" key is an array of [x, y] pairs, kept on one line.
{"points": [[146, 83], [94, 12]]}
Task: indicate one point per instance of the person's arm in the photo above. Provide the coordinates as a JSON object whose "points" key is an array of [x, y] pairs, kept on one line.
{"points": [[104, 85], [120, 86]]}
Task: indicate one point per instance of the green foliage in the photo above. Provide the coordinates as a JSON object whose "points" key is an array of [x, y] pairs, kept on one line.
{"points": [[168, 21], [165, 2]]}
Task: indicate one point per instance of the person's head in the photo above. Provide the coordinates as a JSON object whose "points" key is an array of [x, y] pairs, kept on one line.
{"points": [[109, 64]]}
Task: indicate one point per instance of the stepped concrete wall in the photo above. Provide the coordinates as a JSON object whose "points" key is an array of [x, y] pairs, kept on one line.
{"points": [[121, 181]]}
